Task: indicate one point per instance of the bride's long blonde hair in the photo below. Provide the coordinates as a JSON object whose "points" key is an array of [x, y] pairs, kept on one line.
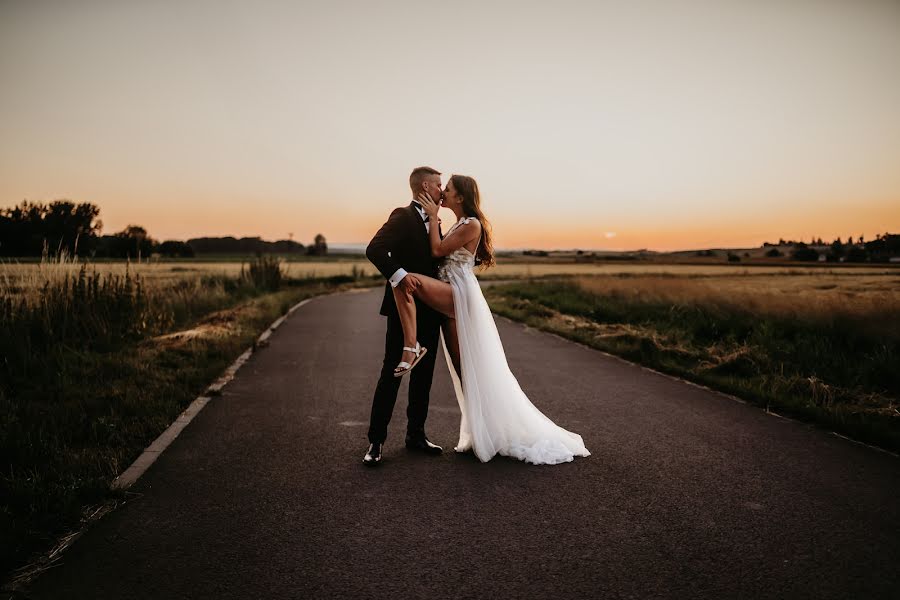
{"points": [[467, 188]]}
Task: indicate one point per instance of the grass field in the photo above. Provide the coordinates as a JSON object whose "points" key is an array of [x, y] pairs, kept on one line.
{"points": [[24, 275], [98, 362], [821, 346], [21, 274]]}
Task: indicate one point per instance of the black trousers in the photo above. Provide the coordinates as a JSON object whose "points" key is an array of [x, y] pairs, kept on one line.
{"points": [[428, 326]]}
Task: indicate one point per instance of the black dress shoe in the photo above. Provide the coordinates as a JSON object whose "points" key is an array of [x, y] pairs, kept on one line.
{"points": [[373, 456], [421, 443]]}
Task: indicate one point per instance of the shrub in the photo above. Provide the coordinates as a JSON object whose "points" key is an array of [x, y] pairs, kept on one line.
{"points": [[86, 310], [804, 253], [857, 255], [264, 273]]}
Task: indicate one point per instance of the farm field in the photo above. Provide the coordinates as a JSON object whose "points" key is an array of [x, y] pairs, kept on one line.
{"points": [[21, 275], [821, 346]]}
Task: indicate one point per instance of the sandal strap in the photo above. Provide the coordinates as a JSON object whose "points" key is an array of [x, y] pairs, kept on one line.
{"points": [[403, 365], [415, 350]]}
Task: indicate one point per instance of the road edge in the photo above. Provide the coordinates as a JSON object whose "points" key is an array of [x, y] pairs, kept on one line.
{"points": [[726, 395], [129, 476], [18, 579]]}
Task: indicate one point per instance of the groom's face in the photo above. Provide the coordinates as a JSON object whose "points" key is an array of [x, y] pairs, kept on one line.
{"points": [[432, 185]]}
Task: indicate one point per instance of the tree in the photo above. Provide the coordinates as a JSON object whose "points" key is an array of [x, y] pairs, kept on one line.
{"points": [[837, 249], [66, 223], [175, 248], [61, 226], [857, 255], [884, 247], [774, 252], [319, 247], [131, 242], [804, 253], [248, 245]]}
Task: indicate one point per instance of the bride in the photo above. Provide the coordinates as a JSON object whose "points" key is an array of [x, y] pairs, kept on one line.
{"points": [[497, 417]]}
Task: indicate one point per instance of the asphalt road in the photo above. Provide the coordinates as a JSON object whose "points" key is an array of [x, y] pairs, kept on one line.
{"points": [[688, 494]]}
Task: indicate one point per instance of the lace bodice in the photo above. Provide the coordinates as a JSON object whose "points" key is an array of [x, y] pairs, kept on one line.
{"points": [[460, 258]]}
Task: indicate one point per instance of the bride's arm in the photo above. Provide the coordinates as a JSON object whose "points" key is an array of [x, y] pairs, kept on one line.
{"points": [[461, 236]]}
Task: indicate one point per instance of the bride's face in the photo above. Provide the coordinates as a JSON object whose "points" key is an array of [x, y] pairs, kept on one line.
{"points": [[450, 197]]}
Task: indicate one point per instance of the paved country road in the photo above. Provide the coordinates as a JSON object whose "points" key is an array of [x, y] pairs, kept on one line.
{"points": [[688, 494]]}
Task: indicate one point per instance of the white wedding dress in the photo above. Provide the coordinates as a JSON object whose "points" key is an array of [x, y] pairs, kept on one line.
{"points": [[497, 417]]}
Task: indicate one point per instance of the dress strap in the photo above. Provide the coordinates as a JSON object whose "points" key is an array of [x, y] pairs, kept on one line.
{"points": [[465, 222]]}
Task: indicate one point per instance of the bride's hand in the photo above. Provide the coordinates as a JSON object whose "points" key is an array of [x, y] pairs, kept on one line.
{"points": [[430, 207]]}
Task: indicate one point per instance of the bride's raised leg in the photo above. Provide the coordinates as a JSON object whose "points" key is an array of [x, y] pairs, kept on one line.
{"points": [[436, 294], [433, 292], [406, 308]]}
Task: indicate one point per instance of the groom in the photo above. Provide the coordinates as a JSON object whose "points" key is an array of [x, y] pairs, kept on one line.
{"points": [[399, 250]]}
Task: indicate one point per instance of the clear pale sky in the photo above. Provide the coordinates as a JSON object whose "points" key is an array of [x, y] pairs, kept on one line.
{"points": [[617, 125]]}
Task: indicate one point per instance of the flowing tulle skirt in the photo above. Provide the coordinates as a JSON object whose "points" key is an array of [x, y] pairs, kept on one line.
{"points": [[497, 416]]}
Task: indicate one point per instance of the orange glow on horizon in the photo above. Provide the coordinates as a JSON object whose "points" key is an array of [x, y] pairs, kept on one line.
{"points": [[512, 229], [616, 126]]}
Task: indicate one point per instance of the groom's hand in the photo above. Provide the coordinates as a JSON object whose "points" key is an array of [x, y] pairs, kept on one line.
{"points": [[410, 283]]}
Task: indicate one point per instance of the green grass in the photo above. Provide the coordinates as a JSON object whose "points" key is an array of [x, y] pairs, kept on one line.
{"points": [[827, 361], [97, 366]]}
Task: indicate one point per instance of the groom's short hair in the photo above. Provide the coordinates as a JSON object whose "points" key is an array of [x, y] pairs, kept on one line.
{"points": [[418, 175]]}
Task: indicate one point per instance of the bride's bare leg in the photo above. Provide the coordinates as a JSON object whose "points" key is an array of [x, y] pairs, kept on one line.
{"points": [[436, 294], [452, 340], [433, 292], [406, 307]]}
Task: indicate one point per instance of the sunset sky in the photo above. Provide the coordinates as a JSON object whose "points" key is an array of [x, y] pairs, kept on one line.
{"points": [[605, 125]]}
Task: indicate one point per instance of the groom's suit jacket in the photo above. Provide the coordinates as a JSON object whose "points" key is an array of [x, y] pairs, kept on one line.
{"points": [[402, 242]]}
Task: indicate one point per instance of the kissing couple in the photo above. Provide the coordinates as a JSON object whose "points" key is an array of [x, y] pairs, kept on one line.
{"points": [[431, 290]]}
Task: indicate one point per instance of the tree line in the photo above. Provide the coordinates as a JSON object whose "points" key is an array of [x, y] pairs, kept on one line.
{"points": [[881, 249], [75, 229]]}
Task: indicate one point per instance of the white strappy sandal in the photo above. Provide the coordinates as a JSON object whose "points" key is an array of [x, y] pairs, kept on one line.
{"points": [[406, 367]]}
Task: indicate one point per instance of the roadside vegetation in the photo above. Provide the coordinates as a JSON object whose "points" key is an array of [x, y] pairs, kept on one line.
{"points": [[97, 359], [94, 365], [822, 348]]}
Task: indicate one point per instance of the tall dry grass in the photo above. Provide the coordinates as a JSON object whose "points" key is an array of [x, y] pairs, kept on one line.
{"points": [[867, 304], [22, 276], [84, 385], [507, 268], [57, 306], [822, 347]]}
